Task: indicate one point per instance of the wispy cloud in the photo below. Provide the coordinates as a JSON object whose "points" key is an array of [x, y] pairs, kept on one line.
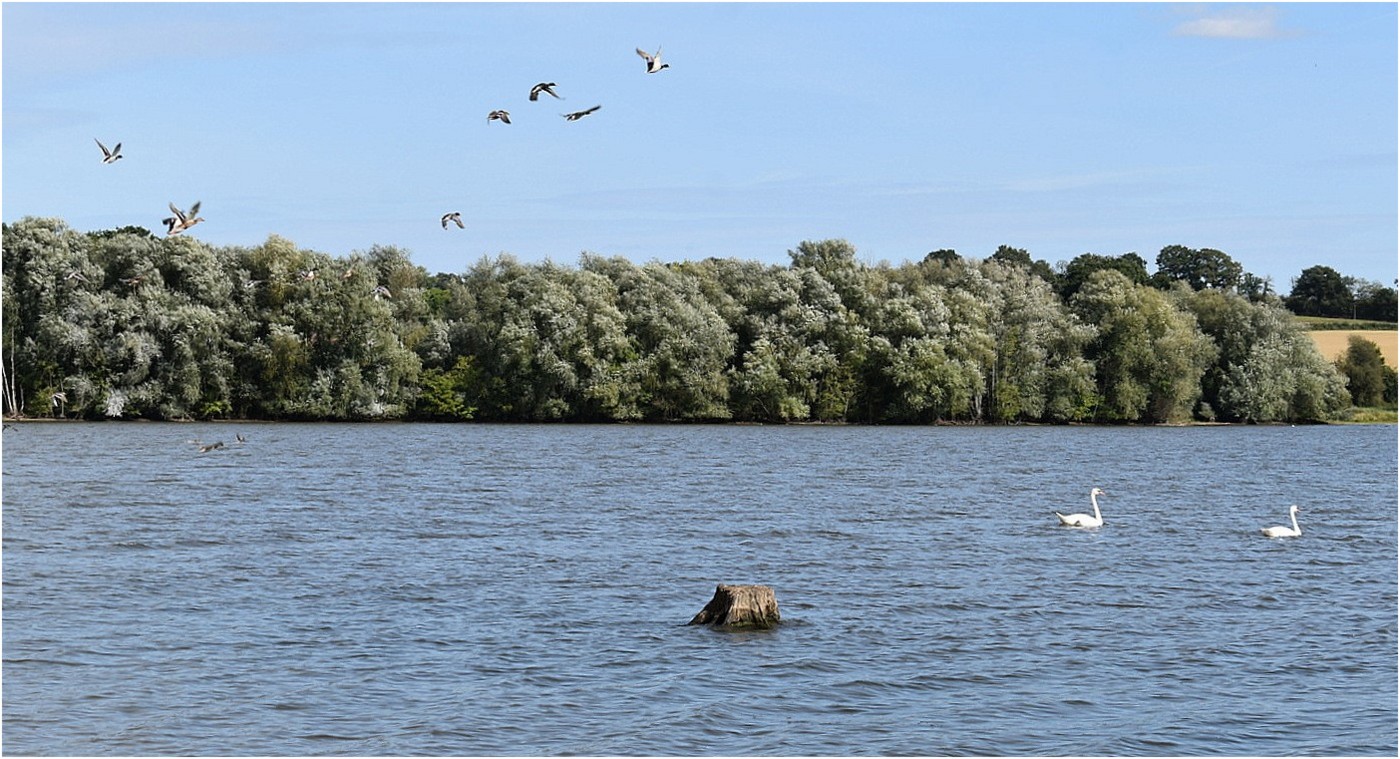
{"points": [[1253, 22]]}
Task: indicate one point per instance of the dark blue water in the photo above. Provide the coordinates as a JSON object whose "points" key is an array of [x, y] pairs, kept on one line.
{"points": [[476, 589]]}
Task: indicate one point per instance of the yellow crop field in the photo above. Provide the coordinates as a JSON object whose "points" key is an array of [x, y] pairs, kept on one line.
{"points": [[1333, 343]]}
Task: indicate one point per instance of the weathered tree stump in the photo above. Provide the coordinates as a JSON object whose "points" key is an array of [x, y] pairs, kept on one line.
{"points": [[740, 606]]}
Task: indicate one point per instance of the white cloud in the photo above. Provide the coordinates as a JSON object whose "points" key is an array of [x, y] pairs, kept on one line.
{"points": [[1239, 22]]}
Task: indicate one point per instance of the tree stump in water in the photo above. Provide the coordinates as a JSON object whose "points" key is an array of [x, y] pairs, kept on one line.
{"points": [[740, 606]]}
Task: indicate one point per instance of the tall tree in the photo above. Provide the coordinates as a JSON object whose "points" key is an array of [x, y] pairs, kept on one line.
{"points": [[1079, 270], [1200, 268], [1149, 355], [1364, 368], [1320, 291]]}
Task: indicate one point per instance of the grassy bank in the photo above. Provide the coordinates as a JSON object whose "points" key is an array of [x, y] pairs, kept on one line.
{"points": [[1322, 323], [1359, 415]]}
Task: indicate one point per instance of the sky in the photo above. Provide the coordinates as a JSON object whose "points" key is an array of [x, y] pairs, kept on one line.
{"points": [[1266, 131]]}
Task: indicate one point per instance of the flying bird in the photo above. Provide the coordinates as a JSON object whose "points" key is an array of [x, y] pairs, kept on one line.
{"points": [[455, 216], [181, 220], [501, 116], [211, 447], [546, 88], [576, 115], [654, 63], [109, 156], [382, 292], [75, 274]]}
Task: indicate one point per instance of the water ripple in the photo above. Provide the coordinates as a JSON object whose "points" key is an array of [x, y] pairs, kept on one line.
{"points": [[511, 590]]}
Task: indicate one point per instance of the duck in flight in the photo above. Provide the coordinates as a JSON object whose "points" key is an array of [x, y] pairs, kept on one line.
{"points": [[455, 216], [211, 447], [654, 64], [109, 156], [181, 220], [576, 115], [545, 87], [501, 116]]}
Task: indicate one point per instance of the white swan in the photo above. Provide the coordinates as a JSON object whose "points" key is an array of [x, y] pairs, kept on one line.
{"points": [[1084, 520], [1285, 532]]}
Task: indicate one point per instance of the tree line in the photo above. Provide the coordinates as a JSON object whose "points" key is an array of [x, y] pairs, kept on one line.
{"points": [[123, 324]]}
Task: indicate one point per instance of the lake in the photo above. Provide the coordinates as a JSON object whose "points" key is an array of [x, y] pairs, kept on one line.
{"points": [[411, 589]]}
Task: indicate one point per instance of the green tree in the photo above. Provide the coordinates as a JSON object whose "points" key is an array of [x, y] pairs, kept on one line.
{"points": [[445, 393], [1320, 291], [1020, 257], [1264, 360], [1079, 270], [1283, 379], [1364, 368], [1200, 268], [1372, 300], [1148, 354]]}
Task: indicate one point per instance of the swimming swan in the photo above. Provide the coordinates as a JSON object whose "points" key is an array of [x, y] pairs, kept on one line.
{"points": [[1084, 520], [1285, 532]]}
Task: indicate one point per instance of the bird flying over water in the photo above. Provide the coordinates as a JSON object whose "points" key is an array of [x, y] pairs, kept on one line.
{"points": [[109, 156], [654, 63], [546, 88], [576, 115], [455, 216], [181, 220], [502, 116]]}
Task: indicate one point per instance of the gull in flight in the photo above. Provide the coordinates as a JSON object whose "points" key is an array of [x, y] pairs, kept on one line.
{"points": [[455, 216]]}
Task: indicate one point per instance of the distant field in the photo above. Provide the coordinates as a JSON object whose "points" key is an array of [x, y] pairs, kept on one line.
{"points": [[1333, 342]]}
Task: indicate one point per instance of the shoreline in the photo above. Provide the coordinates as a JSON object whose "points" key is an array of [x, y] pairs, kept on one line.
{"points": [[12, 420]]}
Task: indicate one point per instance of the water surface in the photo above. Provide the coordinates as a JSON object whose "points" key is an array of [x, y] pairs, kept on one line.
{"points": [[483, 589]]}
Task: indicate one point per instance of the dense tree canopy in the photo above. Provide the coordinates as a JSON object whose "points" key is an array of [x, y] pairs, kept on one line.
{"points": [[122, 324], [1201, 269]]}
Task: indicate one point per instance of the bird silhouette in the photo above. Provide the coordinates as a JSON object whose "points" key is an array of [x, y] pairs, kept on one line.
{"points": [[653, 60], [545, 87], [576, 115], [109, 156]]}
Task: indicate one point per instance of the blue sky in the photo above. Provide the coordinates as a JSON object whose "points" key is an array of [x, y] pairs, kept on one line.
{"points": [[1266, 131]]}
